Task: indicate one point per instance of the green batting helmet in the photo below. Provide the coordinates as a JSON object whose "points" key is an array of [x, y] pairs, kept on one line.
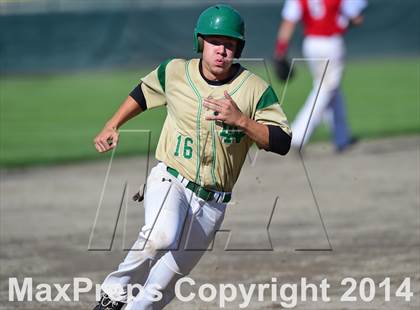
{"points": [[222, 20]]}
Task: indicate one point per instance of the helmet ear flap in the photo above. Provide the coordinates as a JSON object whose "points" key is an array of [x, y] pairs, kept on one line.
{"points": [[200, 44]]}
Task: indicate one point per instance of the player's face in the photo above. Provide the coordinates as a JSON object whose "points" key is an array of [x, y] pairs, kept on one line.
{"points": [[218, 54]]}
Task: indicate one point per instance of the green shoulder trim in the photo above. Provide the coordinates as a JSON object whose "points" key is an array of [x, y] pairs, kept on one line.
{"points": [[268, 98], [161, 72]]}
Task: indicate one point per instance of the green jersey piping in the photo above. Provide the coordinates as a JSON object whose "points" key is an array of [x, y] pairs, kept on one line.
{"points": [[240, 84], [197, 93], [213, 141]]}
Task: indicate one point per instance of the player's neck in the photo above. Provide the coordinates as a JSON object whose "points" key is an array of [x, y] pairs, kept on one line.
{"points": [[212, 79]]}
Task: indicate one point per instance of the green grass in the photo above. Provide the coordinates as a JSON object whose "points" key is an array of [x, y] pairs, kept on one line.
{"points": [[50, 119]]}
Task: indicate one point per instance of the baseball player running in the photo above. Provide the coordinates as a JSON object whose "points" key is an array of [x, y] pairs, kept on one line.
{"points": [[325, 22], [216, 109]]}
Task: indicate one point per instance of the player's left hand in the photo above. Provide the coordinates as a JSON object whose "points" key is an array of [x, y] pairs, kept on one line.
{"points": [[224, 110]]}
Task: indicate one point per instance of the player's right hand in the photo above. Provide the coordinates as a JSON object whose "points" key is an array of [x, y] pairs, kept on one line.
{"points": [[106, 140]]}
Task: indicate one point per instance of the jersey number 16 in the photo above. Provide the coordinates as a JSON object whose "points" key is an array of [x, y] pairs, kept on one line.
{"points": [[187, 149]]}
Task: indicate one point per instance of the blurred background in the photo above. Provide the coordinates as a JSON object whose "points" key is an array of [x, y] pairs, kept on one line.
{"points": [[66, 65]]}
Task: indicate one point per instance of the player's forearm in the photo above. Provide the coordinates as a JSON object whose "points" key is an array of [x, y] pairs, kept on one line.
{"points": [[268, 137], [257, 132], [128, 109], [284, 35], [286, 30]]}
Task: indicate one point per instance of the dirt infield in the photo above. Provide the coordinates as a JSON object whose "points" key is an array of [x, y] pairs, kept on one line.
{"points": [[367, 226]]}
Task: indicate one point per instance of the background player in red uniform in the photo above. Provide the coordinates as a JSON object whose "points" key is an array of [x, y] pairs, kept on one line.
{"points": [[324, 22]]}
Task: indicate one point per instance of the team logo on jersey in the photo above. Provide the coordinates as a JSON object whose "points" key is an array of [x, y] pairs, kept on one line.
{"points": [[231, 134]]}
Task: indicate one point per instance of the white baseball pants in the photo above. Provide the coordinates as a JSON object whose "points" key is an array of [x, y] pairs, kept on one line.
{"points": [[178, 229], [320, 52]]}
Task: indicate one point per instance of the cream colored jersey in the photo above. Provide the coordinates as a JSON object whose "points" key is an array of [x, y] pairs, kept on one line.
{"points": [[208, 153]]}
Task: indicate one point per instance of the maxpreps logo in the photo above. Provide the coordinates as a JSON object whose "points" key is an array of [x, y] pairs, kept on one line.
{"points": [[20, 291]]}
